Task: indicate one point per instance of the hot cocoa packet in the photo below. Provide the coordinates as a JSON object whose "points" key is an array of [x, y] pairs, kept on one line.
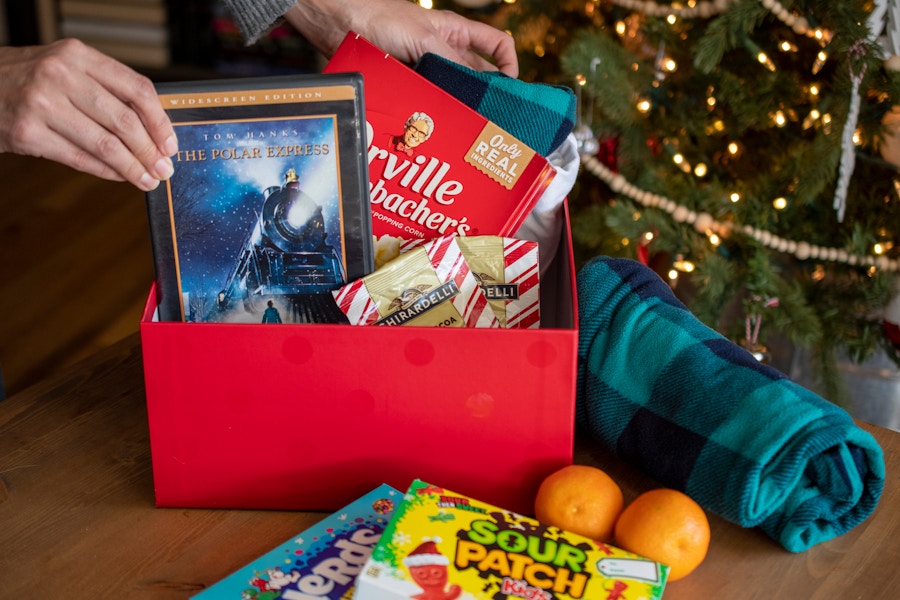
{"points": [[430, 285], [508, 271]]}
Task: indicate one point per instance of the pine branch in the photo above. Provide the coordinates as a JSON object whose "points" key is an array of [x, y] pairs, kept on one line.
{"points": [[720, 133]]}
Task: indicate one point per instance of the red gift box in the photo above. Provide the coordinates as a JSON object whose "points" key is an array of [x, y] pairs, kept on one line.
{"points": [[309, 417]]}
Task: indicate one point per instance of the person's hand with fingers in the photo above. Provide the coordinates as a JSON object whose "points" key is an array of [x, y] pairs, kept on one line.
{"points": [[406, 31], [74, 105]]}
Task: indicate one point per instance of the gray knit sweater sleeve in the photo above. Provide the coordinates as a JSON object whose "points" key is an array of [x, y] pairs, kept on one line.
{"points": [[255, 17]]}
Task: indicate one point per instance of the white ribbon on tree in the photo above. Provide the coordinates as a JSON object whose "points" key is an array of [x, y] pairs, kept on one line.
{"points": [[879, 20], [848, 147]]}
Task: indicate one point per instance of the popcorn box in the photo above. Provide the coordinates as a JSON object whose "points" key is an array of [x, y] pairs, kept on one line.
{"points": [[441, 544], [321, 561], [309, 417]]}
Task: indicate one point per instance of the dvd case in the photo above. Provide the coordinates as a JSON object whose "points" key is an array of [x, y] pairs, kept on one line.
{"points": [[268, 209]]}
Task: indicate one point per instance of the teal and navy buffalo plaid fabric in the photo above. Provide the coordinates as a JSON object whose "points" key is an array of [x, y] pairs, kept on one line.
{"points": [[690, 408], [540, 115], [697, 413]]}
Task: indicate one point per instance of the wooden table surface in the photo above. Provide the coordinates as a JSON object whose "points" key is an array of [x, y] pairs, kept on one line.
{"points": [[77, 518]]}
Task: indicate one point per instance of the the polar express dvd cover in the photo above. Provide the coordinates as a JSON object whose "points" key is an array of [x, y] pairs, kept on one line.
{"points": [[268, 209]]}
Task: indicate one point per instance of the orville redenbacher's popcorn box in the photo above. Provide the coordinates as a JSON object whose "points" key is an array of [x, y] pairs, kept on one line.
{"points": [[436, 167], [441, 544]]}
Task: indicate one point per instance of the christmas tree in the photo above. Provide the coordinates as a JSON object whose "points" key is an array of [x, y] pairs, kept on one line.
{"points": [[743, 149]]}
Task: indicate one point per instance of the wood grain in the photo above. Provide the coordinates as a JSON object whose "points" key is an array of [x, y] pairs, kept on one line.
{"points": [[76, 266], [77, 518]]}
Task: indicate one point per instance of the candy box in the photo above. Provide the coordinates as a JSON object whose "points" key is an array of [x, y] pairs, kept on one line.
{"points": [[442, 544], [319, 563]]}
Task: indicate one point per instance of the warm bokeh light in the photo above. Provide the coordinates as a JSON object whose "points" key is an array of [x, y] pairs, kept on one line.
{"points": [[685, 266], [821, 58], [764, 60]]}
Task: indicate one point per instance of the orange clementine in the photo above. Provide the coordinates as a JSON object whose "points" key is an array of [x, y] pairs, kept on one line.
{"points": [[580, 499], [666, 526]]}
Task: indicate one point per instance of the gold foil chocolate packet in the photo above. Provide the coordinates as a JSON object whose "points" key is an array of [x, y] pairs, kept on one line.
{"points": [[430, 285], [508, 271]]}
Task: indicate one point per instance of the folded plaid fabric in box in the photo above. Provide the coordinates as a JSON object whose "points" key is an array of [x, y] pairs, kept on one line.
{"points": [[538, 114], [698, 413]]}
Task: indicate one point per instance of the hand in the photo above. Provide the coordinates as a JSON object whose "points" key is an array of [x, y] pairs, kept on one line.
{"points": [[74, 105], [406, 31]]}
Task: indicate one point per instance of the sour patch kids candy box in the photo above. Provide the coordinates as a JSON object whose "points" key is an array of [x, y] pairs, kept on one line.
{"points": [[441, 545]]}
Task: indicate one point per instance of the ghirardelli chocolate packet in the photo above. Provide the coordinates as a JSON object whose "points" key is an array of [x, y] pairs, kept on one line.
{"points": [[508, 271], [431, 285]]}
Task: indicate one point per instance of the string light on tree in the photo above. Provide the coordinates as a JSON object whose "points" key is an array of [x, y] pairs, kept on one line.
{"points": [[723, 123], [801, 250], [475, 3], [787, 46], [764, 60], [819, 64], [703, 9]]}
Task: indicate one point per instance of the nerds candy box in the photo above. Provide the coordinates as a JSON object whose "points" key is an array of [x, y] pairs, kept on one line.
{"points": [[321, 562]]}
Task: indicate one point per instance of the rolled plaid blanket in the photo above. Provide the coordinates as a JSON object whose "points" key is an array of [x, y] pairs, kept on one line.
{"points": [[698, 413]]}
